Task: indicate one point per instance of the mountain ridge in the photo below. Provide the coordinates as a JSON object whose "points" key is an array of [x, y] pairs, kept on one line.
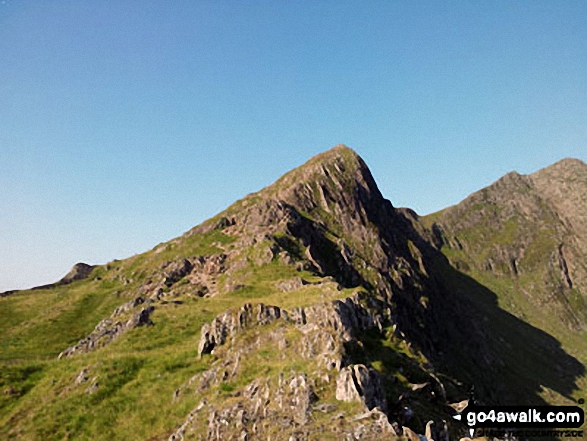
{"points": [[314, 294]]}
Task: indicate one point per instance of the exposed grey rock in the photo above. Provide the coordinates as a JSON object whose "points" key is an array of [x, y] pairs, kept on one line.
{"points": [[342, 318], [375, 425], [288, 403], [128, 306], [94, 386], [207, 378], [111, 328], [82, 377], [264, 255], [359, 383], [178, 435], [176, 271], [142, 318], [78, 272], [229, 323], [291, 284], [303, 397]]}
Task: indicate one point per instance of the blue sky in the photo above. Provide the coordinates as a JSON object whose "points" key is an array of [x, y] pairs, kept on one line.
{"points": [[125, 123]]}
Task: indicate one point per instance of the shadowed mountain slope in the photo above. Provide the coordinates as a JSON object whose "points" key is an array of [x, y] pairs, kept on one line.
{"points": [[524, 238]]}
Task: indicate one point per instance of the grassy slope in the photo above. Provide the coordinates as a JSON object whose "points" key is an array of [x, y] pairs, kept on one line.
{"points": [[137, 373]]}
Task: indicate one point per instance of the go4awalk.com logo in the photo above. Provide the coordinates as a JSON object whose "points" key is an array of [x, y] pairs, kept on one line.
{"points": [[513, 417]]}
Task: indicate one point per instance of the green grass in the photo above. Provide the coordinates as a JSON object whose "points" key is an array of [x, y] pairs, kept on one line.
{"points": [[37, 325], [188, 245], [137, 373]]}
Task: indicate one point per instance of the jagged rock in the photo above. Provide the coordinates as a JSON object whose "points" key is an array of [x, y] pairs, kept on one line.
{"points": [[94, 386], [330, 219], [215, 333], [341, 317], [359, 383], [265, 255], [200, 272], [178, 435], [410, 435], [128, 306], [303, 397], [538, 234], [82, 377], [291, 284], [288, 402], [110, 329], [436, 431], [374, 425], [322, 345], [207, 378], [224, 222], [176, 271], [267, 314], [79, 271], [229, 323], [142, 318]]}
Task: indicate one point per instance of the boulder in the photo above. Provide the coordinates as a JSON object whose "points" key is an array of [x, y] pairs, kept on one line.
{"points": [[359, 383]]}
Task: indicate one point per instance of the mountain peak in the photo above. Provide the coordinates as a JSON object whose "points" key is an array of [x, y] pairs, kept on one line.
{"points": [[338, 176], [564, 185], [339, 159], [568, 162], [338, 151], [564, 168]]}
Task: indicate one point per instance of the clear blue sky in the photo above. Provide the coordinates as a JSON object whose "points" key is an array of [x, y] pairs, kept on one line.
{"points": [[125, 123]]}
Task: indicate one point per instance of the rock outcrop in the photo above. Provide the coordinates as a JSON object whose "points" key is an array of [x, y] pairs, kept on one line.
{"points": [[343, 318], [123, 319], [79, 272], [359, 383]]}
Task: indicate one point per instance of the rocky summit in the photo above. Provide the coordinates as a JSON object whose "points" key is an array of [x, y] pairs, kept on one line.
{"points": [[311, 310]]}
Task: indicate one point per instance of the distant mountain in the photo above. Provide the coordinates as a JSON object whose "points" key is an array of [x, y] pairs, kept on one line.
{"points": [[525, 237], [529, 232], [312, 309]]}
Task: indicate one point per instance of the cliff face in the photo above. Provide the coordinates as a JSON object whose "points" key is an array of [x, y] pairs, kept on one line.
{"points": [[311, 307]]}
